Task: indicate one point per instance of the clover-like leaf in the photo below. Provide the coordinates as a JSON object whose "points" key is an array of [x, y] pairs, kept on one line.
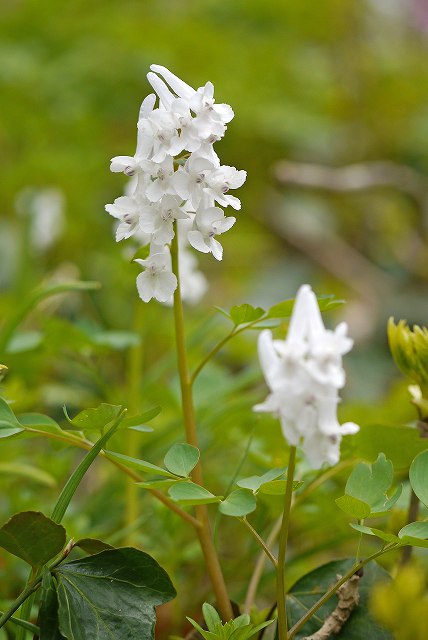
{"points": [[418, 475], [189, 493], [33, 537], [371, 531], [278, 487], [239, 503], [96, 419], [112, 594], [370, 483], [354, 507], [181, 459], [245, 313], [137, 423], [253, 483]]}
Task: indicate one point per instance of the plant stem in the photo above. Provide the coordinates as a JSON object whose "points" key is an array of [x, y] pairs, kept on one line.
{"points": [[334, 588], [412, 515], [29, 626], [259, 568], [135, 366], [204, 532], [29, 589], [282, 551], [260, 541]]}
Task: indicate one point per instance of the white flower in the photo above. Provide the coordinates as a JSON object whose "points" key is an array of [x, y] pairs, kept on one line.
{"points": [[304, 373], [160, 127], [221, 180], [207, 224], [190, 181], [157, 218], [126, 210], [161, 174], [157, 280]]}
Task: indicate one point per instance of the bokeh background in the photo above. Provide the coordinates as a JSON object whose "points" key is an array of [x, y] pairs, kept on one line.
{"points": [[331, 123]]}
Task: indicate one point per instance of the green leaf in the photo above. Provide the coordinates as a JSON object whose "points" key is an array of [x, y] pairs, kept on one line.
{"points": [[370, 531], [92, 545], [211, 617], [281, 309], [48, 614], [354, 507], [255, 482], [382, 509], [33, 537], [309, 589], [137, 423], [96, 419], [27, 471], [39, 422], [223, 312], [245, 313], [139, 465], [9, 425], [181, 459], [278, 487], [112, 594], [238, 503], [418, 475], [370, 483], [76, 477], [415, 533], [189, 493]]}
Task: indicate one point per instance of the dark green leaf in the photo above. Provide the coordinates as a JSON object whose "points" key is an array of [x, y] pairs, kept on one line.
{"points": [[418, 475], [245, 313], [9, 425], [112, 594], [189, 493], [353, 507], [33, 537], [312, 586], [238, 504], [48, 614], [96, 419], [139, 465], [92, 545], [181, 459]]}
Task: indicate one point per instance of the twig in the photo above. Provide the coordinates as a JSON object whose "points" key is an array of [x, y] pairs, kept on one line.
{"points": [[348, 599]]}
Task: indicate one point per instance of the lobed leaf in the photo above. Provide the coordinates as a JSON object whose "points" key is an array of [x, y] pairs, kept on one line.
{"points": [[369, 483], [112, 594], [244, 313], [253, 483], [96, 419], [354, 507], [415, 533]]}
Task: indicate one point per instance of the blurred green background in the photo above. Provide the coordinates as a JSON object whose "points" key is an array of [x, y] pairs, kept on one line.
{"points": [[315, 86]]}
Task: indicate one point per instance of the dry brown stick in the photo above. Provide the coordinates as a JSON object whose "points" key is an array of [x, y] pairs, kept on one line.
{"points": [[348, 599]]}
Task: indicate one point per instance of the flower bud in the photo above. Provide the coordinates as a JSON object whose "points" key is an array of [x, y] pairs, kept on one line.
{"points": [[409, 348]]}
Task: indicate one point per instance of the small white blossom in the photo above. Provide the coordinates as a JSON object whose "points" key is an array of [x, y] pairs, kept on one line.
{"points": [[127, 211], [157, 280], [304, 373], [157, 218], [221, 180], [209, 223]]}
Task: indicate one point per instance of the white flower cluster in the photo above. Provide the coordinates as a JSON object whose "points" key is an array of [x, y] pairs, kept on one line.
{"points": [[178, 177], [304, 373]]}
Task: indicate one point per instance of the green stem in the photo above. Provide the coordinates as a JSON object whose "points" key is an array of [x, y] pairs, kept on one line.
{"points": [[235, 331], [282, 550], [204, 532], [32, 588], [135, 367], [260, 541], [357, 555], [294, 630]]}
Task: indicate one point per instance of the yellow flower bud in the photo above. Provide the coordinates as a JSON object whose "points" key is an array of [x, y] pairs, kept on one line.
{"points": [[409, 349], [3, 371]]}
